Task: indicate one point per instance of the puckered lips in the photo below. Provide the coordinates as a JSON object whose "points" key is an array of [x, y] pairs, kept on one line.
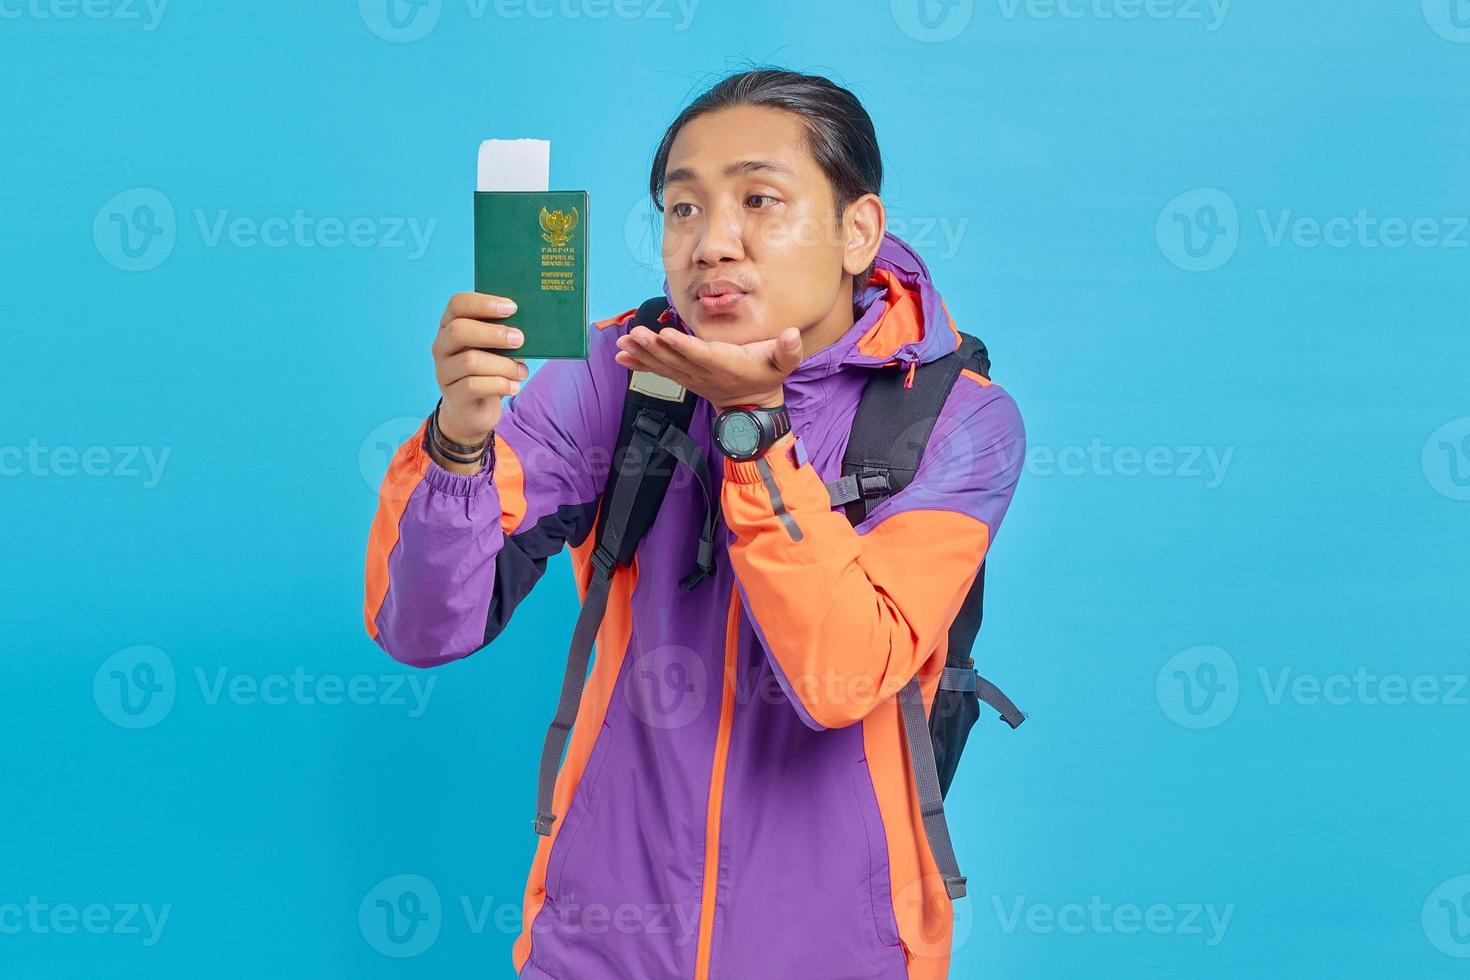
{"points": [[719, 296]]}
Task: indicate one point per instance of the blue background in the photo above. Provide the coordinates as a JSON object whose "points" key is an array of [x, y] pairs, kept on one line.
{"points": [[1052, 149]]}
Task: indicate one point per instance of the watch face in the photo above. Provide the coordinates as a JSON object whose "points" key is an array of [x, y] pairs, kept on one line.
{"points": [[740, 435]]}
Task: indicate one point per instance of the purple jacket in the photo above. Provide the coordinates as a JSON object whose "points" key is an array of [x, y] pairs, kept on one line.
{"points": [[736, 798]]}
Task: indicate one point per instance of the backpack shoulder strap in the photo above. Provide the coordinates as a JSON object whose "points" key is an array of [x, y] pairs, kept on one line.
{"points": [[652, 437], [890, 430], [892, 426]]}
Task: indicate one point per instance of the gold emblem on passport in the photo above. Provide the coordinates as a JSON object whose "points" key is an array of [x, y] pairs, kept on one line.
{"points": [[557, 226]]}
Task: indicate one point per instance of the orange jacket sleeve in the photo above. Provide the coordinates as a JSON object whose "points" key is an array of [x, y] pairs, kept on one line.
{"points": [[848, 615]]}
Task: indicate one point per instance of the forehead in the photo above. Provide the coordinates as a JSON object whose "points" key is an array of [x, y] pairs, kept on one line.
{"points": [[711, 143]]}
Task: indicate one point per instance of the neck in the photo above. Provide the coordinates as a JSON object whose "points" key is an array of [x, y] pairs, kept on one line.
{"points": [[832, 327]]}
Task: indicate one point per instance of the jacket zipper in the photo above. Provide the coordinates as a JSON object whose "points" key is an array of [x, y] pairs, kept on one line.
{"points": [[717, 791]]}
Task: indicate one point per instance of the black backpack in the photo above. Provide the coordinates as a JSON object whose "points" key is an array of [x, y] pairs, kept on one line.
{"points": [[889, 432]]}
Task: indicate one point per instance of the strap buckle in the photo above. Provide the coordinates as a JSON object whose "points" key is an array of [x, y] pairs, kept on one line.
{"points": [[543, 823], [954, 887], [873, 484], [604, 561]]}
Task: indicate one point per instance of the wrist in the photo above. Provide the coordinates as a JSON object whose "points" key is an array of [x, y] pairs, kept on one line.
{"points": [[774, 399], [451, 430], [467, 458]]}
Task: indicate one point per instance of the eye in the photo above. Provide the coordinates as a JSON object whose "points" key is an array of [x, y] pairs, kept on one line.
{"points": [[761, 197], [678, 209]]}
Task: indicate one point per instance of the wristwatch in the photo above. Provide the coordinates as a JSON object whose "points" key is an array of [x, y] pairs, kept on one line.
{"points": [[744, 432]]}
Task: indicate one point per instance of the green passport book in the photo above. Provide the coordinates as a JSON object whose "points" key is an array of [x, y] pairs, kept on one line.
{"points": [[531, 246]]}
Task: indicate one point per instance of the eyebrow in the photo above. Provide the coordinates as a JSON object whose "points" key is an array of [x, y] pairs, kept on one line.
{"points": [[736, 169]]}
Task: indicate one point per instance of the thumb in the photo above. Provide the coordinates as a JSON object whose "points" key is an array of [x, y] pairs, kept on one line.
{"points": [[788, 350]]}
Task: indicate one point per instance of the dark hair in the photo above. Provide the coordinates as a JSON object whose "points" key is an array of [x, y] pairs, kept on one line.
{"points": [[839, 131]]}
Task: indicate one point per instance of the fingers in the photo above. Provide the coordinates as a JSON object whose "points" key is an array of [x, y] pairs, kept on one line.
{"points": [[462, 333], [477, 306], [481, 386], [652, 350], [478, 363]]}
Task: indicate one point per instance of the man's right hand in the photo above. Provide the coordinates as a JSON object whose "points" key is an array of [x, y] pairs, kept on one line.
{"points": [[474, 381]]}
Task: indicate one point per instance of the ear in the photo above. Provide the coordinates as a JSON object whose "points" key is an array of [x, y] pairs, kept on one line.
{"points": [[863, 224]]}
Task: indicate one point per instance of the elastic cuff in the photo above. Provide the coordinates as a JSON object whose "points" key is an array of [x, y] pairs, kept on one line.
{"points": [[459, 484], [786, 454]]}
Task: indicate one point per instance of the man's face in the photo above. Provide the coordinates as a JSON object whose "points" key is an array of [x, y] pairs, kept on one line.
{"points": [[751, 244]]}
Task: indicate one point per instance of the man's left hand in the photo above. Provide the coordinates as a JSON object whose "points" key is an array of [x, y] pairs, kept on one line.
{"points": [[725, 374]]}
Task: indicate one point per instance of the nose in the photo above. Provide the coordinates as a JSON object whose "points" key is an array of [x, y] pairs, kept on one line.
{"points": [[722, 237]]}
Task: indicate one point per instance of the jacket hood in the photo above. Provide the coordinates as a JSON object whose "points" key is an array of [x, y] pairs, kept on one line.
{"points": [[900, 318]]}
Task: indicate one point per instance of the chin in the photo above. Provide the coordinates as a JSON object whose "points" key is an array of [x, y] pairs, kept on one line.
{"points": [[728, 329], [737, 327]]}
